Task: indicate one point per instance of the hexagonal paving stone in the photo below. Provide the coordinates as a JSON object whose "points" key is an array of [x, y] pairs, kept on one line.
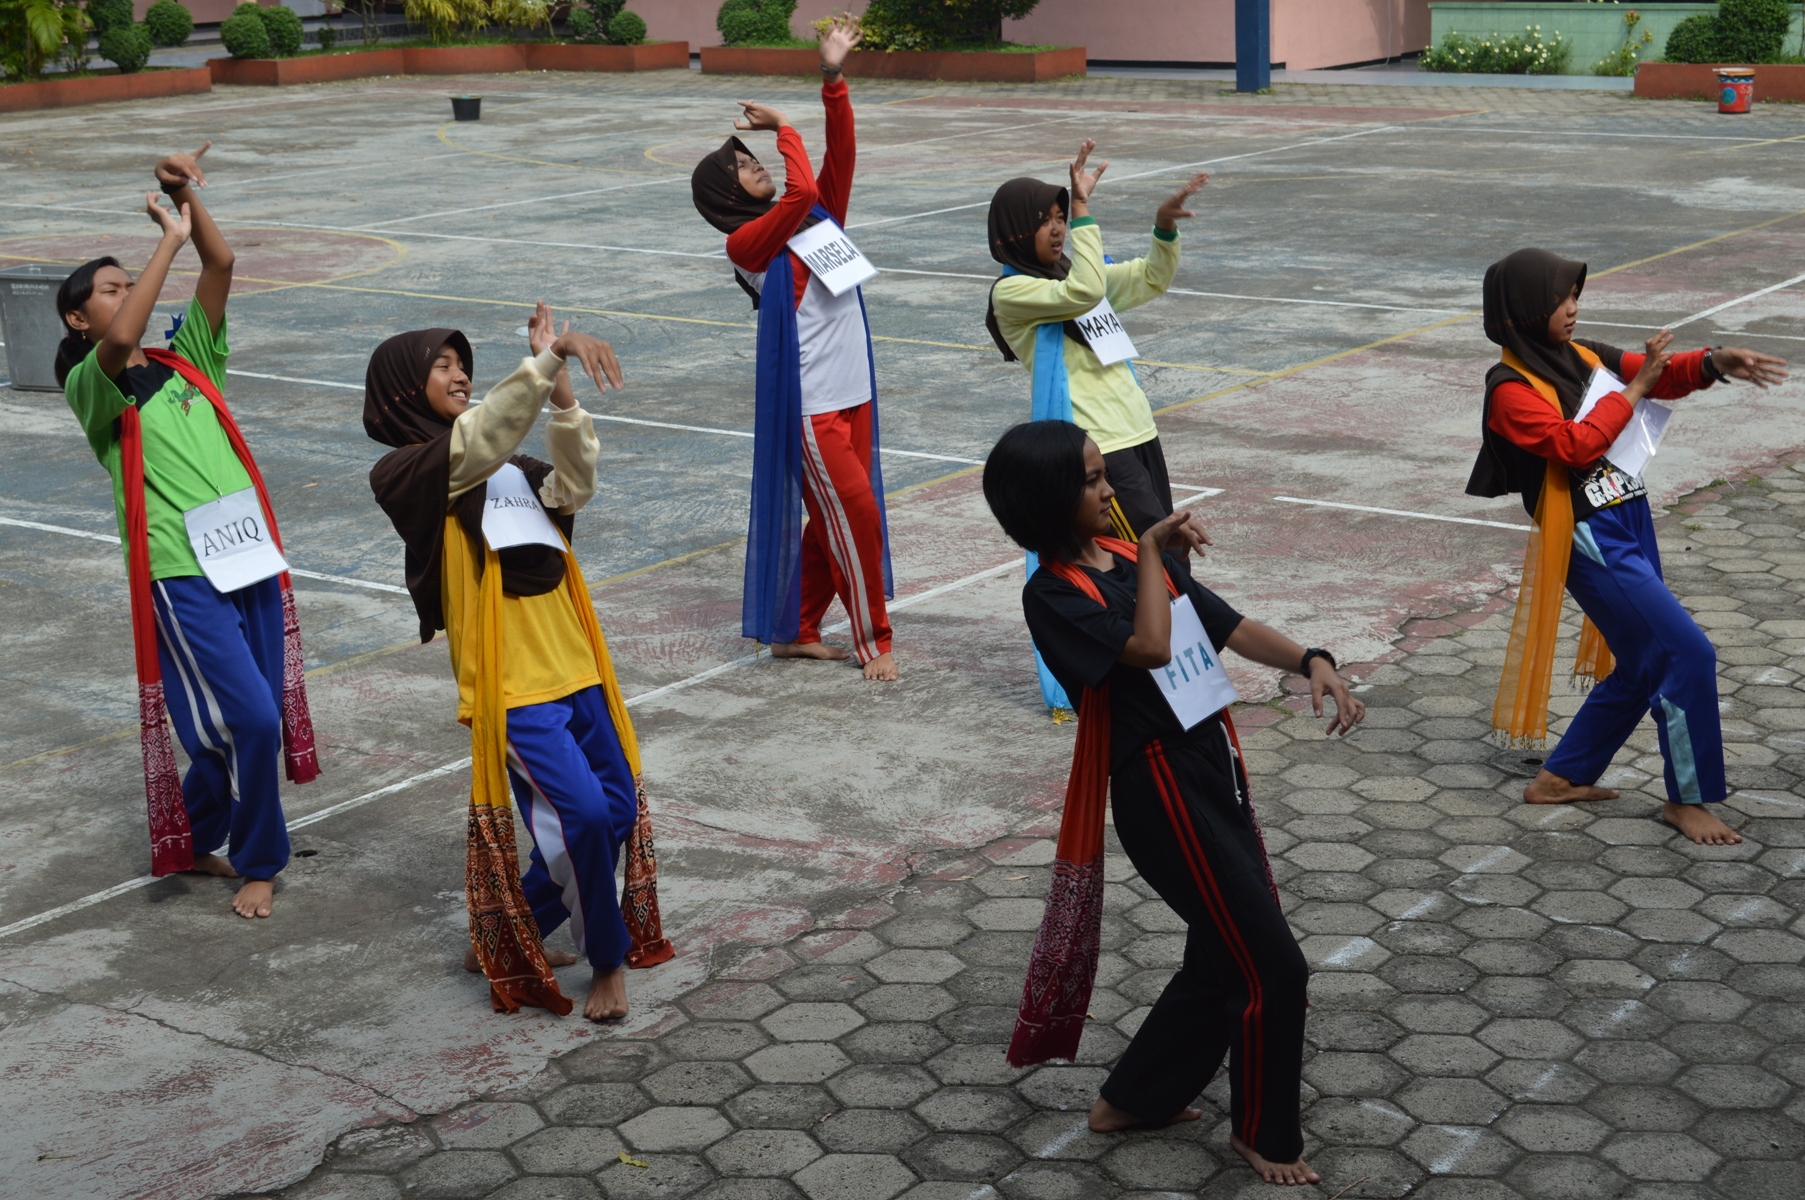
{"points": [[1528, 1037], [972, 1110], [1732, 1086], [456, 1174], [1443, 1054], [486, 1126], [697, 1083], [1363, 1122], [869, 1131], [1667, 1156], [1163, 1163], [1334, 952], [800, 1062], [594, 1103], [881, 1086], [1656, 893], [567, 1150], [812, 1022], [1454, 1101], [854, 1177], [1055, 1135], [774, 1152], [1460, 1150], [968, 1156], [668, 1128], [663, 1175], [1553, 1129], [915, 966], [1065, 1089], [906, 1002]]}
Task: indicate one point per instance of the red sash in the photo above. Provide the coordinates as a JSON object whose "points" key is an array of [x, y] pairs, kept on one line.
{"points": [[171, 841], [1063, 968]]}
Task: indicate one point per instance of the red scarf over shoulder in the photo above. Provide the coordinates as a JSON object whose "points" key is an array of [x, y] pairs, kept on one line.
{"points": [[171, 840], [1063, 968]]}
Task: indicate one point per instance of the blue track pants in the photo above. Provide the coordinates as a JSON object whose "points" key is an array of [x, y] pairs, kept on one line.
{"points": [[221, 654], [576, 794], [1665, 664]]}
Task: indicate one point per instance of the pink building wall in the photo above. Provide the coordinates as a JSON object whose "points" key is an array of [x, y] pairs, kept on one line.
{"points": [[1306, 34]]}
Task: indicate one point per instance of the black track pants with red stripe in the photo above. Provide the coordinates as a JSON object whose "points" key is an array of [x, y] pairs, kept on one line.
{"points": [[1241, 991]]}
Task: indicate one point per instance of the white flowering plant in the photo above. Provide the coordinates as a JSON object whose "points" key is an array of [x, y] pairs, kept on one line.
{"points": [[1526, 53]]}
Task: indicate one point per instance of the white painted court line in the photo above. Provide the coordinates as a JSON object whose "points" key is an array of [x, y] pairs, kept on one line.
{"points": [[499, 241], [453, 212], [1748, 333], [1398, 512], [1699, 316], [1189, 292], [354, 387], [1424, 127]]}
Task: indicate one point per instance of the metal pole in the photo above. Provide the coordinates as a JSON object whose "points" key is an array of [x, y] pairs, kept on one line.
{"points": [[1253, 45]]}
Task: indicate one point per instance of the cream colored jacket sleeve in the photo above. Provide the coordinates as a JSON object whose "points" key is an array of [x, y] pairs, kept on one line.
{"points": [[488, 434], [1025, 300], [1132, 284]]}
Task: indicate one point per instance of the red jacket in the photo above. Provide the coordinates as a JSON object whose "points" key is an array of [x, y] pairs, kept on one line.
{"points": [[1520, 415], [753, 245]]}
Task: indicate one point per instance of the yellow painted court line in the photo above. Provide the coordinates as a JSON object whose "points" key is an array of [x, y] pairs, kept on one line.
{"points": [[1751, 145], [1695, 245], [1149, 362], [668, 562]]}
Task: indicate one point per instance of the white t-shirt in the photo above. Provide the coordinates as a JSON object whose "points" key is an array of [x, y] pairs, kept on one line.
{"points": [[836, 370]]}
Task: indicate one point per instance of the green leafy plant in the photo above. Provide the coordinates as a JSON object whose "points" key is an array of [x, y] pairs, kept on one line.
{"points": [[107, 13], [34, 31], [367, 12], [244, 36], [1526, 53], [1752, 31], [581, 22], [1626, 58], [126, 47], [755, 22], [520, 14], [328, 36], [938, 24], [284, 28], [626, 29], [1693, 40], [168, 23]]}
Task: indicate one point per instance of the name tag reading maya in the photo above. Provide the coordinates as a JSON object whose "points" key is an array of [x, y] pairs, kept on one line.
{"points": [[232, 543], [833, 258], [1193, 683], [1103, 330], [512, 514]]}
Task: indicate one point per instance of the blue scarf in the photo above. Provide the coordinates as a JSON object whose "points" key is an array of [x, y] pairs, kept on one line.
{"points": [[771, 610]]}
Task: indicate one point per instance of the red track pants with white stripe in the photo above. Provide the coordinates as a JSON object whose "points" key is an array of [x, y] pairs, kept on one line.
{"points": [[843, 542], [1179, 812]]}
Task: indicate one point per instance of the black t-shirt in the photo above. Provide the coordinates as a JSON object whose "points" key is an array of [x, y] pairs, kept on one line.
{"points": [[143, 383], [1081, 641]]}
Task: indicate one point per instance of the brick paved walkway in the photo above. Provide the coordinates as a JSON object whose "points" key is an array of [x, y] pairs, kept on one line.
{"points": [[1549, 1003]]}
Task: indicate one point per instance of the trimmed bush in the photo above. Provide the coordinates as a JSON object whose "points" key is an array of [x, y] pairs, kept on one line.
{"points": [[626, 29], [1752, 31], [328, 37], [1526, 53], [755, 22], [107, 13], [126, 47], [284, 29], [938, 24], [244, 36], [581, 22], [1693, 40], [168, 23]]}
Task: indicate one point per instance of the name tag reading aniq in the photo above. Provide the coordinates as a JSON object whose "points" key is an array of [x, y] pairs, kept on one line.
{"points": [[833, 258], [232, 543], [1193, 683], [512, 514], [1102, 328]]}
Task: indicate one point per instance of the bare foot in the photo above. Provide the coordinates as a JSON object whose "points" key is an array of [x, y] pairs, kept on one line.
{"points": [[807, 650], [254, 899], [1700, 824], [883, 668], [1549, 788], [607, 995], [1107, 1118], [212, 864], [557, 958], [1285, 1173]]}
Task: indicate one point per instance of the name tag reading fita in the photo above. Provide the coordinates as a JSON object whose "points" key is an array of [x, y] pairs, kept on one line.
{"points": [[1193, 683], [232, 543], [1103, 330], [512, 514], [833, 258]]}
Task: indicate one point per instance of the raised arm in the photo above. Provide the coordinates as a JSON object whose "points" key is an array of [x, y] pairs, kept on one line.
{"points": [[121, 340], [216, 257], [485, 436], [570, 435], [1132, 284], [835, 181], [753, 245]]}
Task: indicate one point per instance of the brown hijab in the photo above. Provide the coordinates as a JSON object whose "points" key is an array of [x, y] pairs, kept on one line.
{"points": [[715, 187], [1017, 211], [412, 482], [1521, 292]]}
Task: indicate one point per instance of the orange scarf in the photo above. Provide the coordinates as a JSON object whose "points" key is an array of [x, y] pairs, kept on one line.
{"points": [[1520, 714]]}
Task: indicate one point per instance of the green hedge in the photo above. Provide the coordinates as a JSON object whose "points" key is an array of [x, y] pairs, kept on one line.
{"points": [[168, 23]]}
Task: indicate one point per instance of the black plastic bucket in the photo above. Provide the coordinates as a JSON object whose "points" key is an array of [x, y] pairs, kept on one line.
{"points": [[466, 108]]}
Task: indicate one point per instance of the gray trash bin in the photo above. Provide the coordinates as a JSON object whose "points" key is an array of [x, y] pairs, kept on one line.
{"points": [[32, 327]]}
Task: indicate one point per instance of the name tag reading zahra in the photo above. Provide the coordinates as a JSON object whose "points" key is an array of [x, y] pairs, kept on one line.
{"points": [[1194, 682], [833, 258], [1103, 330], [512, 514], [232, 543]]}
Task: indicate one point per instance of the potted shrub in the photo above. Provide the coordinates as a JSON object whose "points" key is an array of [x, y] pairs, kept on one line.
{"points": [[33, 33], [1741, 33], [168, 24]]}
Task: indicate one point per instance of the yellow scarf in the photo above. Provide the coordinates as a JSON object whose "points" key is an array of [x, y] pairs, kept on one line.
{"points": [[1520, 714], [502, 928]]}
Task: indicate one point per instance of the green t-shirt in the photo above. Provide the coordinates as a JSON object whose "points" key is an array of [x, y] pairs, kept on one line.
{"points": [[188, 460]]}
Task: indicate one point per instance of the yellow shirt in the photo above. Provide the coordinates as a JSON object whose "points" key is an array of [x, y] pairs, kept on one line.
{"points": [[544, 653], [1107, 403]]}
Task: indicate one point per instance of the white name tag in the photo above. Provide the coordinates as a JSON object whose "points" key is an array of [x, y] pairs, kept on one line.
{"points": [[833, 258], [512, 514], [232, 542], [1103, 330], [1193, 683]]}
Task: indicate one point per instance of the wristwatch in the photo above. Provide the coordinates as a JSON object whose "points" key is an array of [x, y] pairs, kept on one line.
{"points": [[1711, 371], [827, 70], [1303, 668]]}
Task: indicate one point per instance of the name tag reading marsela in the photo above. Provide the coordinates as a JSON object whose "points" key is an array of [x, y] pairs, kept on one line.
{"points": [[231, 542], [1193, 683], [1103, 330], [833, 258], [512, 514]]}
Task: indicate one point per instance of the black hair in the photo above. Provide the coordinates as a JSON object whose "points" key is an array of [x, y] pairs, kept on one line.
{"points": [[1033, 482], [69, 298]]}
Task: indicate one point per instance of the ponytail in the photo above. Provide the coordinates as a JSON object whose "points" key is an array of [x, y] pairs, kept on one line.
{"points": [[70, 297]]}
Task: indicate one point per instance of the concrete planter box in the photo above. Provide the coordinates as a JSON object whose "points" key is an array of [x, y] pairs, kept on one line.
{"points": [[104, 89], [1697, 81], [1594, 29], [448, 60], [969, 66]]}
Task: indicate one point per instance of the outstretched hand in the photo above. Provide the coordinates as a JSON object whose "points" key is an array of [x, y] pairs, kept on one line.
{"points": [[838, 41], [182, 168], [1083, 182], [541, 330], [596, 355], [1174, 210], [177, 225], [1762, 370], [1349, 712], [759, 116]]}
